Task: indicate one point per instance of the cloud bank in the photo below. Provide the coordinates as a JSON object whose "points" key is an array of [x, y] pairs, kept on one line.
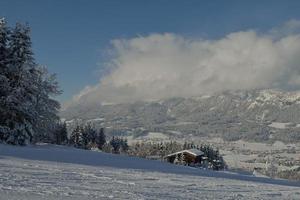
{"points": [[159, 66]]}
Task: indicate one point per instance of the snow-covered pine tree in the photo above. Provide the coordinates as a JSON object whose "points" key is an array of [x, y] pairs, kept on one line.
{"points": [[101, 138], [107, 148], [26, 90], [61, 134], [4, 80], [20, 115], [86, 131], [89, 136], [76, 137], [46, 108], [64, 133], [123, 145], [116, 143]]}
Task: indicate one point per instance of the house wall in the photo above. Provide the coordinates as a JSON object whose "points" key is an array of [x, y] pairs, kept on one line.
{"points": [[188, 158]]}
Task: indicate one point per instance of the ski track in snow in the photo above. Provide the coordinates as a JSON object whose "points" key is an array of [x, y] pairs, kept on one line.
{"points": [[40, 179]]}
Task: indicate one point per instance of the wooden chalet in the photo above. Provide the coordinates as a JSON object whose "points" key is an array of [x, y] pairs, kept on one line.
{"points": [[189, 156]]}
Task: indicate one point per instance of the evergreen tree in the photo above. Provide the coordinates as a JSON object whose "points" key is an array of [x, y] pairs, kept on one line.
{"points": [[115, 144], [123, 145], [185, 145], [61, 134], [91, 133], [21, 94], [45, 106], [107, 148], [119, 145], [101, 138], [26, 90], [76, 137], [64, 133], [85, 136], [4, 81]]}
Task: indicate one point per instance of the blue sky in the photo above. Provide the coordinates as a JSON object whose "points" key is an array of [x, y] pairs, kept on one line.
{"points": [[71, 36]]}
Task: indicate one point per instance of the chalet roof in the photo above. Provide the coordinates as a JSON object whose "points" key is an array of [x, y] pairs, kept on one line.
{"points": [[194, 152]]}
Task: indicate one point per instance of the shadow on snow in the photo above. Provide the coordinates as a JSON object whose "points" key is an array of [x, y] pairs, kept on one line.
{"points": [[64, 154]]}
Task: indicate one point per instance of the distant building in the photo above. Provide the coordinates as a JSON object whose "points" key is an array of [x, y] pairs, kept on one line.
{"points": [[188, 157]]}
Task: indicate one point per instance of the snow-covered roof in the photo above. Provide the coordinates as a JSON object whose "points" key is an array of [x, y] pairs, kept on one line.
{"points": [[194, 152]]}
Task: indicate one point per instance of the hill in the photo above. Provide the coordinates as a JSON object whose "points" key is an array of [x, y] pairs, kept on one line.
{"points": [[56, 172]]}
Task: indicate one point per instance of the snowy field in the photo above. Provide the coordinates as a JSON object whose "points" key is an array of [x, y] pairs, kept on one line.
{"points": [[54, 172]]}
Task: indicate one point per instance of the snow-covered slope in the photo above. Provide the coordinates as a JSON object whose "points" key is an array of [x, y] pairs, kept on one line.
{"points": [[55, 172]]}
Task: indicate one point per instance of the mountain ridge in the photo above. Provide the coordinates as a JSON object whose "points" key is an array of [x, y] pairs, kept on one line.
{"points": [[232, 115]]}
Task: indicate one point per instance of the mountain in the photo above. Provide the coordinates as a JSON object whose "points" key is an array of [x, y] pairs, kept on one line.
{"points": [[256, 115]]}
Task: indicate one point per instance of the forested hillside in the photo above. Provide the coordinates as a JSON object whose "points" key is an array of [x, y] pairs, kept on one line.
{"points": [[254, 115]]}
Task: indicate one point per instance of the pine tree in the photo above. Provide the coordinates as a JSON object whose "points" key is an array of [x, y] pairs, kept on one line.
{"points": [[64, 133], [107, 148], [4, 81], [123, 145], [76, 137], [101, 138], [91, 133], [22, 90], [26, 105], [45, 106], [115, 142], [185, 145], [61, 134]]}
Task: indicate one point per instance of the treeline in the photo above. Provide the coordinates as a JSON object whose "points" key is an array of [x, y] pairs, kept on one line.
{"points": [[289, 174], [87, 137], [28, 111], [159, 150]]}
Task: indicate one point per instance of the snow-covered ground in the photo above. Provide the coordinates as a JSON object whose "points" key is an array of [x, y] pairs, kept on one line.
{"points": [[279, 125], [55, 172], [249, 155]]}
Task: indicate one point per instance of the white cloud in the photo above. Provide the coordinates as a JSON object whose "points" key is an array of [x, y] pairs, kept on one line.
{"points": [[288, 28], [168, 65]]}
